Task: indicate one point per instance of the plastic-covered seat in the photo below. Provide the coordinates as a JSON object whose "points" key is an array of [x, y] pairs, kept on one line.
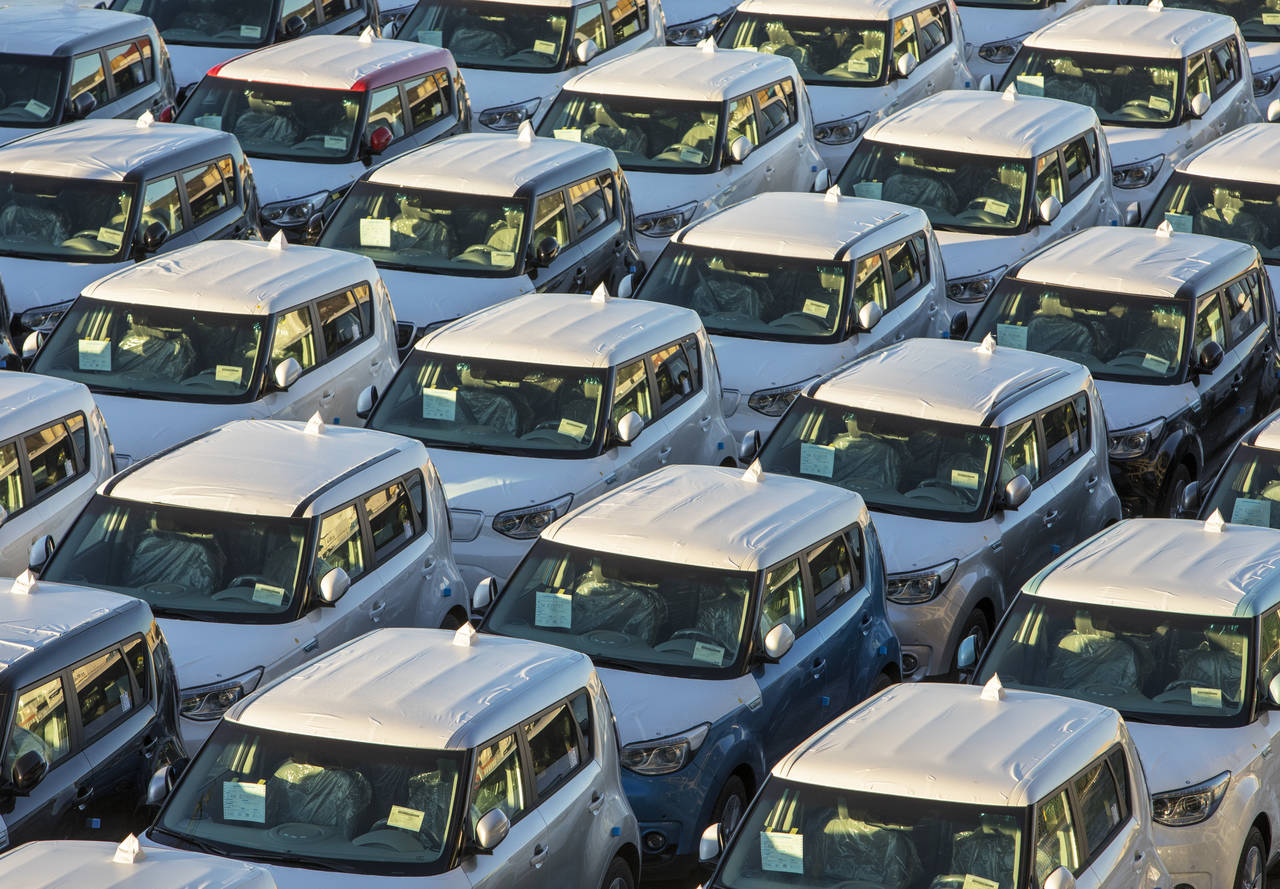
{"points": [[1210, 667], [601, 603], [170, 557], [874, 854], [491, 409], [154, 351], [311, 794], [919, 190], [721, 619], [868, 459], [606, 131], [990, 852], [1091, 657], [1059, 334], [36, 223]]}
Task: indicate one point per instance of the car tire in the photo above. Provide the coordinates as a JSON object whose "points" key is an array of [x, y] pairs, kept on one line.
{"points": [[618, 876], [1171, 499], [729, 808], [975, 624], [1251, 872]]}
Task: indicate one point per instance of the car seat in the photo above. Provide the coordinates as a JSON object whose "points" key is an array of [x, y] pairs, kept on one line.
{"points": [[1210, 665], [301, 793], [720, 617], [189, 561], [1055, 330], [866, 459], [865, 852], [601, 603], [262, 122], [919, 189], [989, 852], [474, 42], [1088, 657], [34, 223]]}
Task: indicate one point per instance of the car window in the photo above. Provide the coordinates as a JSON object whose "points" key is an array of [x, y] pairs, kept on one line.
{"points": [[294, 339], [783, 598], [130, 66], [935, 29], [631, 392], [904, 39], [869, 283], [340, 544], [12, 495], [833, 573], [227, 167], [39, 723], [206, 192], [551, 219], [341, 320], [1021, 454], [777, 110], [672, 374], [920, 243], [390, 519], [1099, 800], [1049, 178], [554, 754], [588, 24], [52, 458], [103, 692], [334, 8], [1243, 311], [1081, 165], [418, 495], [135, 655], [742, 121], [498, 783], [304, 9], [1055, 844], [905, 271], [427, 102], [386, 110], [628, 18], [1209, 324], [1268, 648], [694, 359], [161, 203], [1224, 67], [1197, 77], [87, 77], [581, 705], [591, 207], [1064, 437]]}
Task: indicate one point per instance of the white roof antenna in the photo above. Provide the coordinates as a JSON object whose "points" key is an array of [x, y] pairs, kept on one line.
{"points": [[708, 46], [988, 345], [525, 133], [24, 583], [366, 36], [600, 294], [146, 120], [465, 635], [1214, 523], [278, 241], [1164, 230], [315, 426], [129, 851], [754, 473], [1010, 93], [834, 195], [993, 690]]}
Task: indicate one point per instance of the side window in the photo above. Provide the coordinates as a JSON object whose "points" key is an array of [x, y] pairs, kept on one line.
{"points": [[1048, 179], [631, 392], [869, 283], [135, 655], [783, 598], [39, 723], [1081, 169], [935, 29], [591, 207], [206, 192], [103, 692], [303, 9], [498, 783], [742, 122], [334, 8], [672, 373], [418, 495], [87, 77], [341, 321], [581, 705], [161, 203], [1209, 325], [390, 520], [1224, 66], [554, 754], [426, 101], [1197, 77], [13, 496], [1055, 844], [386, 110], [628, 18], [1099, 800], [340, 544], [52, 458], [694, 359], [588, 24], [920, 243], [776, 112], [1021, 454], [294, 338], [550, 219], [904, 39], [227, 167], [833, 574], [905, 271], [1243, 312], [1064, 438], [130, 66], [1268, 649], [1091, 139]]}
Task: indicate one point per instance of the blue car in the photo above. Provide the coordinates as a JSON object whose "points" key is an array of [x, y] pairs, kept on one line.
{"points": [[729, 615]]}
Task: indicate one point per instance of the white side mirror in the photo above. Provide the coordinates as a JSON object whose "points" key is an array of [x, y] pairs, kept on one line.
{"points": [[482, 597], [906, 64], [41, 552], [822, 181], [1050, 207], [585, 51], [160, 784], [967, 652], [626, 287], [365, 401], [31, 345], [1199, 108], [334, 585], [287, 373], [749, 447], [987, 83], [778, 641], [869, 316], [492, 829], [1060, 879], [1273, 111], [630, 427], [739, 149], [709, 844], [1273, 690], [4, 515], [1133, 214]]}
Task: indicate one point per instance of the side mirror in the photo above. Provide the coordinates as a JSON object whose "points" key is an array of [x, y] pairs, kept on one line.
{"points": [[334, 585], [1050, 207], [162, 782], [294, 25], [585, 51], [31, 345], [546, 251], [1199, 107], [4, 515], [491, 829], [959, 326], [709, 844], [750, 446], [822, 181], [41, 552], [906, 64], [778, 641], [28, 771], [1209, 358], [1273, 690], [967, 653], [629, 427], [81, 106], [365, 401], [315, 228], [626, 287], [1060, 879], [151, 237], [482, 598], [287, 373], [869, 316], [379, 139], [1016, 492], [1273, 111], [987, 83], [739, 149], [1190, 503], [1133, 214]]}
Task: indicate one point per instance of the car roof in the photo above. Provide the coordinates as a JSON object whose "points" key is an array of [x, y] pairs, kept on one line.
{"points": [[1247, 154], [71, 28], [978, 122], [1178, 565], [840, 10], [416, 688], [951, 743], [54, 611], [336, 61], [952, 381], [57, 864], [110, 150], [1137, 31], [29, 400], [240, 277], [702, 74], [810, 226], [266, 467], [564, 330], [493, 164], [710, 516], [1268, 433], [1138, 261]]}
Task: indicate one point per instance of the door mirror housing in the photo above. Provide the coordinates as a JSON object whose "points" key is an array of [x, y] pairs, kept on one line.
{"points": [[379, 139], [739, 149], [1199, 107], [1016, 492], [334, 585], [1210, 357], [822, 181], [959, 326], [906, 65], [163, 781], [41, 553], [1133, 214], [365, 401], [987, 83], [1049, 209], [152, 237], [1273, 691], [777, 642], [709, 844], [750, 446], [31, 345], [28, 771], [546, 251], [1061, 878], [491, 829], [585, 51], [629, 427], [869, 316], [626, 287], [967, 652], [294, 25], [482, 598], [315, 228], [1273, 111], [81, 106], [1190, 504], [287, 373]]}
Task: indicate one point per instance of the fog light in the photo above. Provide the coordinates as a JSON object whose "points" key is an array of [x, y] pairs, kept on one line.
{"points": [[654, 841], [909, 663]]}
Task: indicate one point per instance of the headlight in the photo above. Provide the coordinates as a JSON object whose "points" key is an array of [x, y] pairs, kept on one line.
{"points": [[774, 402], [689, 33], [914, 587], [975, 288], [1001, 52], [1124, 444], [840, 132], [43, 318], [297, 211], [1137, 175], [662, 756], [666, 223], [508, 117], [211, 701], [1190, 805], [527, 523], [1265, 81]]}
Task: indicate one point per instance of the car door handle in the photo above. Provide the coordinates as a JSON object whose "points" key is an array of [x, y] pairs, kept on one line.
{"points": [[704, 422], [376, 611], [1090, 483], [375, 364], [325, 396], [768, 171], [539, 856], [429, 563], [816, 668], [83, 795], [1050, 518], [664, 454], [149, 743], [597, 800], [1266, 751], [865, 623]]}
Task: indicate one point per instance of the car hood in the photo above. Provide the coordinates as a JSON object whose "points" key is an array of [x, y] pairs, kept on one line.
{"points": [[987, 24], [492, 483], [141, 426], [1264, 56], [1131, 144], [205, 652], [836, 102], [192, 63], [677, 12], [279, 180], [1133, 404], [910, 543], [1173, 756], [492, 89], [648, 706], [749, 365], [967, 253], [426, 298], [41, 282], [653, 192]]}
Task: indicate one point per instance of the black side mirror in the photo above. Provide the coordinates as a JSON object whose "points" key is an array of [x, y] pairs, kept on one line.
{"points": [[1210, 357], [959, 326], [28, 772], [81, 106], [294, 26], [152, 237], [546, 251], [315, 225]]}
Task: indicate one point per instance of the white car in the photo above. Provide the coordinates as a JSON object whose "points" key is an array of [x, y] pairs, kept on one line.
{"points": [[549, 400], [225, 330], [58, 864], [839, 47], [315, 113], [999, 176], [947, 787], [515, 56], [416, 758], [1176, 624], [1164, 82], [264, 543], [694, 131], [995, 29], [54, 451], [791, 286]]}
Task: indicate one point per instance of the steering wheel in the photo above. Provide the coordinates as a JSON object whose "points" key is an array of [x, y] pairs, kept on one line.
{"points": [[939, 492], [1139, 110], [233, 594], [1105, 689], [608, 637], [1139, 354], [248, 580], [163, 588], [800, 319], [697, 636], [543, 432]]}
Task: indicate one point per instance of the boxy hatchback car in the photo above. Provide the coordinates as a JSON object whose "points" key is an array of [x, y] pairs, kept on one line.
{"points": [[979, 464], [995, 29], [729, 615], [1248, 483], [441, 760], [61, 863]]}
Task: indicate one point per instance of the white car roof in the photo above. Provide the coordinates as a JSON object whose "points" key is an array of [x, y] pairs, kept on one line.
{"points": [[710, 516], [23, 29], [328, 61], [106, 149], [1178, 565], [51, 611], [952, 381], [267, 468], [28, 400], [1137, 31], [860, 10], [416, 688], [1136, 260], [239, 277], [564, 330], [979, 122], [947, 743], [684, 74], [59, 864], [810, 226], [1247, 154], [1268, 436]]}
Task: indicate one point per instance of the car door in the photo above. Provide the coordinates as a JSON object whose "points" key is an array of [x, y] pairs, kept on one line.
{"points": [[780, 140], [1214, 123], [914, 310], [1219, 400], [1025, 543], [431, 113], [1112, 839], [400, 551], [1073, 473], [210, 194], [1267, 735], [1056, 840], [1086, 202], [293, 335], [742, 180], [499, 780], [682, 401], [1229, 90], [598, 230], [42, 478], [162, 203], [633, 390], [353, 356], [938, 58], [342, 544], [344, 16], [841, 606], [551, 223], [1251, 341], [133, 77]]}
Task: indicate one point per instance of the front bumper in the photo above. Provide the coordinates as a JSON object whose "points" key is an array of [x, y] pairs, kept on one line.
{"points": [[1139, 482], [924, 632], [489, 555], [677, 806], [195, 732], [1186, 854]]}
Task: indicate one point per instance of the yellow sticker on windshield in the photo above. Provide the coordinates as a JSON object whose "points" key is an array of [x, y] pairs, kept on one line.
{"points": [[253, 31], [375, 232], [782, 852], [1155, 363], [999, 208], [94, 355], [1271, 18], [1206, 697], [1250, 511], [405, 818], [961, 478], [972, 882], [553, 610], [112, 236], [572, 428], [268, 594], [546, 47], [567, 134], [1030, 84], [1160, 103], [815, 307], [228, 373]]}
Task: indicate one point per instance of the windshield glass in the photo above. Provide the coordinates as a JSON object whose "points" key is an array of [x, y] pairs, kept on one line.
{"points": [[504, 407], [429, 231], [45, 217], [500, 36], [185, 562], [639, 614], [1258, 19], [234, 23], [306, 801], [1152, 666], [1123, 91], [645, 133], [900, 464], [806, 835], [1133, 339], [158, 351], [1247, 488], [274, 120], [958, 192], [1019, 4], [32, 90], [828, 52], [1240, 211]]}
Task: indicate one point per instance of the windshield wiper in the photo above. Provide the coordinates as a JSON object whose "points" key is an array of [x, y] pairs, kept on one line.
{"points": [[194, 842], [126, 392], [186, 614], [286, 858], [602, 661], [475, 448]]}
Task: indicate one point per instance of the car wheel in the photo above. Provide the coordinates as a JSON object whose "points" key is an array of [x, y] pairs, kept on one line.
{"points": [[976, 625], [619, 876], [1171, 501], [1251, 872], [730, 805]]}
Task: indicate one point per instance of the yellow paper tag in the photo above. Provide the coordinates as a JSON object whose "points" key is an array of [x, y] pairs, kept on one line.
{"points": [[228, 373], [961, 478], [815, 307], [405, 818], [972, 882], [268, 594], [572, 428], [1206, 697], [112, 236]]}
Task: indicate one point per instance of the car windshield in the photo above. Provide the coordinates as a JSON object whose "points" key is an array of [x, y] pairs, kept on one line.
{"points": [[638, 614], [645, 134], [1247, 488], [1123, 337], [309, 801], [1151, 665], [1013, 4], [958, 192], [1240, 211], [898, 463], [808, 835], [499, 36], [485, 404], [274, 120], [32, 90], [1124, 91], [232, 23], [828, 52], [82, 220], [199, 563], [1258, 19], [430, 231], [119, 348]]}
